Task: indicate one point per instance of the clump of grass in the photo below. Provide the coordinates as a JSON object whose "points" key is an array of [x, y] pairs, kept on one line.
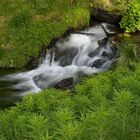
{"points": [[127, 52]]}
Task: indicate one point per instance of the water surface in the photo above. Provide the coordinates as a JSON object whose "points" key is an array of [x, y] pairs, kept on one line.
{"points": [[80, 54]]}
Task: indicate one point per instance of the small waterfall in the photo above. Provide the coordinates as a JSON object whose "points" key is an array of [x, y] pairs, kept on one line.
{"points": [[80, 54]]}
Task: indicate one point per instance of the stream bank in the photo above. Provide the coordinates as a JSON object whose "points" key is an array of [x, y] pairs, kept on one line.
{"points": [[80, 54]]}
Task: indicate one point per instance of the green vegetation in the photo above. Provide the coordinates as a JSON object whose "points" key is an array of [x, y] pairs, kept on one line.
{"points": [[103, 107], [128, 52], [131, 20], [112, 6], [28, 25]]}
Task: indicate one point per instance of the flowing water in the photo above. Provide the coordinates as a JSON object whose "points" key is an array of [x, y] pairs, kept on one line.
{"points": [[82, 53]]}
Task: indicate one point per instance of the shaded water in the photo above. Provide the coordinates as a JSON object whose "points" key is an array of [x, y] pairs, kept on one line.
{"points": [[83, 53]]}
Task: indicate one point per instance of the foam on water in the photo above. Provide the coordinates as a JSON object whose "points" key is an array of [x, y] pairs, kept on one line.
{"points": [[91, 52]]}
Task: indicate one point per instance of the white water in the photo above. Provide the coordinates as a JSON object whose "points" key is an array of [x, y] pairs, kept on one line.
{"points": [[86, 58]]}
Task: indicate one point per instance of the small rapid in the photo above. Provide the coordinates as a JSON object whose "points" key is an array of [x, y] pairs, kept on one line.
{"points": [[80, 54]]}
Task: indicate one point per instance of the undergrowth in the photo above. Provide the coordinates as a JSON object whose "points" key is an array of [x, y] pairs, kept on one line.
{"points": [[102, 107], [131, 19]]}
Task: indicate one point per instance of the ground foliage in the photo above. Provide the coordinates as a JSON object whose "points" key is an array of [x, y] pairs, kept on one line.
{"points": [[105, 106], [26, 26], [102, 107], [131, 19]]}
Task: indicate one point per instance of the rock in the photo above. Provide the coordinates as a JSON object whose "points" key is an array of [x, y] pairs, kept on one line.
{"points": [[40, 81], [105, 54], [109, 29], [94, 53], [114, 50], [102, 43], [65, 83], [97, 63], [110, 55], [66, 56], [40, 60], [104, 16]]}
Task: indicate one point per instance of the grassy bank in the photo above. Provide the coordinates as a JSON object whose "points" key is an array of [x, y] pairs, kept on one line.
{"points": [[27, 26]]}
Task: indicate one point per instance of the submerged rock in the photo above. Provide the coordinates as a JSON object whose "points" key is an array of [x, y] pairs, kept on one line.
{"points": [[102, 43], [65, 83], [92, 54], [97, 63], [65, 57], [40, 81]]}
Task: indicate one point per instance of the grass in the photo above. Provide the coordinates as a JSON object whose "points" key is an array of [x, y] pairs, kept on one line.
{"points": [[102, 107], [27, 26]]}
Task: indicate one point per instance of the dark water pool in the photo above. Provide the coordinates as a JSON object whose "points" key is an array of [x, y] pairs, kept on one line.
{"points": [[8, 96]]}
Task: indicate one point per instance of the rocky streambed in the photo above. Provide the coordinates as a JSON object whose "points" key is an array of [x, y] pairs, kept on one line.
{"points": [[80, 54]]}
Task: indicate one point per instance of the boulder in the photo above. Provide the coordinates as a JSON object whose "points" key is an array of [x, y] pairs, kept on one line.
{"points": [[65, 57], [98, 63], [104, 16], [103, 42], [65, 83]]}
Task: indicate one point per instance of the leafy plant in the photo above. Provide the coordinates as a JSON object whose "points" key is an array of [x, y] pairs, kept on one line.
{"points": [[131, 19]]}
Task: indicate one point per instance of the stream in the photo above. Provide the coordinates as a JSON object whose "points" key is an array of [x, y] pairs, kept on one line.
{"points": [[80, 54]]}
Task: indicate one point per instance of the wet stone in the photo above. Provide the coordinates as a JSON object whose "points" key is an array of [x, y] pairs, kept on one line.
{"points": [[65, 83], [97, 63], [102, 43], [109, 55], [111, 28], [40, 81], [92, 54], [66, 56], [105, 54]]}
